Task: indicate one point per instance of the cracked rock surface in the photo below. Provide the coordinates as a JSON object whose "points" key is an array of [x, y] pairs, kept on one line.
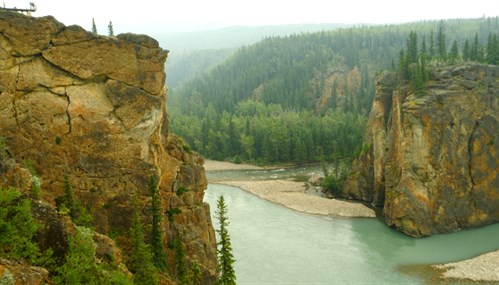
{"points": [[93, 108], [432, 161]]}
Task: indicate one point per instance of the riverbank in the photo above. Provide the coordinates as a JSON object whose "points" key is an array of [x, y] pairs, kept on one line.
{"points": [[483, 268], [292, 194]]}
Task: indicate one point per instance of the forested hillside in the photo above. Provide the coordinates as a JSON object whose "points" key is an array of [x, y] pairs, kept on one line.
{"points": [[192, 53], [290, 99]]}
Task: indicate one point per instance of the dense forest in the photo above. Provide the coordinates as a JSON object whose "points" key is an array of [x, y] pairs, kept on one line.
{"points": [[298, 97]]}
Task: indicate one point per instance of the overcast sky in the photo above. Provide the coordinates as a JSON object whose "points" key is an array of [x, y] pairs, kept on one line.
{"points": [[153, 16]]}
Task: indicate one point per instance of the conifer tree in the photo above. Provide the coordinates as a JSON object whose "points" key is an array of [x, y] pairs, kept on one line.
{"points": [[94, 27], [79, 266], [110, 30], [431, 50], [141, 263], [180, 260], [476, 50], [158, 251], [466, 50], [224, 249], [454, 53], [442, 50], [492, 55]]}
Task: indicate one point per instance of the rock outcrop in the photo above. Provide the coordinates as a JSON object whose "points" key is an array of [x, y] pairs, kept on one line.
{"points": [[92, 108], [431, 162]]}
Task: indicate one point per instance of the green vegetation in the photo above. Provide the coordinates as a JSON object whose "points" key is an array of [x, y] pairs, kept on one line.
{"points": [[181, 190], [180, 260], [331, 184], [141, 259], [69, 204], [284, 98], [94, 27], [110, 29], [79, 266], [17, 227], [158, 251], [170, 213], [225, 258]]}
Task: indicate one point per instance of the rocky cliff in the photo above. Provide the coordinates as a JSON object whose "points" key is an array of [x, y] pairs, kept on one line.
{"points": [[431, 162], [92, 108]]}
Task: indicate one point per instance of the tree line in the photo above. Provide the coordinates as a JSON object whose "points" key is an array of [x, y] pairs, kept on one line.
{"points": [[310, 91]]}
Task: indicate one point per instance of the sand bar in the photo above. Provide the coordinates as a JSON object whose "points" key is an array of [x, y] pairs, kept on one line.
{"points": [[484, 267], [292, 194]]}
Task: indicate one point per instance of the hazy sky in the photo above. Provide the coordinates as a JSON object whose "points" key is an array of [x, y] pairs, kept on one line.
{"points": [[153, 16]]}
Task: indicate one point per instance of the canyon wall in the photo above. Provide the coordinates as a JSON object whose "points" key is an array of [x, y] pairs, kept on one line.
{"points": [[431, 161], [92, 108]]}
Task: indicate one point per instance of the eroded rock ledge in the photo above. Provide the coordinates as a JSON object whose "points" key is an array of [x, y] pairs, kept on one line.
{"points": [[431, 162], [93, 108]]}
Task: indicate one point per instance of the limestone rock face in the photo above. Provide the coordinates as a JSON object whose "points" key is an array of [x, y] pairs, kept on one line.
{"points": [[432, 161], [93, 108]]}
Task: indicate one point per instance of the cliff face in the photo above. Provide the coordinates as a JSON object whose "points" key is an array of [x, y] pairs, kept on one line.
{"points": [[431, 162], [93, 108]]}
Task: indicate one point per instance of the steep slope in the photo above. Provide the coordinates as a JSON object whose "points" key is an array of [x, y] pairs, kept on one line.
{"points": [[93, 108], [432, 161]]}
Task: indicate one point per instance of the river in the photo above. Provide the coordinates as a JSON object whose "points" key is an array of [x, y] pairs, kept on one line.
{"points": [[275, 245]]}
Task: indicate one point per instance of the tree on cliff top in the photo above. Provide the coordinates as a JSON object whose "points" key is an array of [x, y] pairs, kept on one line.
{"points": [[224, 249], [94, 27], [110, 29]]}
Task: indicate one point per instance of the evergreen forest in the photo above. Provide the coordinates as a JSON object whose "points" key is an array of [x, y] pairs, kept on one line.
{"points": [[302, 97]]}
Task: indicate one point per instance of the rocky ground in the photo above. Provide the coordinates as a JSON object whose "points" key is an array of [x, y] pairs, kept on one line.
{"points": [[484, 267]]}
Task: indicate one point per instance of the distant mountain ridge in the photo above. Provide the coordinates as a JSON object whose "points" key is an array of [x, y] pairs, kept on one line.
{"points": [[233, 37], [192, 53]]}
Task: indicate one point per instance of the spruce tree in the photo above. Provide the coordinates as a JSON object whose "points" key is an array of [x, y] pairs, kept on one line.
{"points": [[94, 27], [431, 49], [79, 266], [110, 30], [224, 249], [180, 260], [466, 50], [442, 50], [141, 263], [158, 251], [454, 53]]}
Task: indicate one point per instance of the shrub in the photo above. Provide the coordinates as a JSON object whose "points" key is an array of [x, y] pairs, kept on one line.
{"points": [[17, 227], [331, 184]]}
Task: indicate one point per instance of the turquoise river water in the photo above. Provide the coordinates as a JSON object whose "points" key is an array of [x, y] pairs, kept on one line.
{"points": [[275, 245]]}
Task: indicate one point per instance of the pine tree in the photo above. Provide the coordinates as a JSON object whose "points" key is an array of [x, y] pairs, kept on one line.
{"points": [[454, 53], [466, 50], [158, 251], [110, 30], [79, 266], [224, 249], [442, 50], [492, 55], [73, 206], [476, 50], [180, 260], [17, 227], [141, 263], [195, 275], [94, 27]]}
